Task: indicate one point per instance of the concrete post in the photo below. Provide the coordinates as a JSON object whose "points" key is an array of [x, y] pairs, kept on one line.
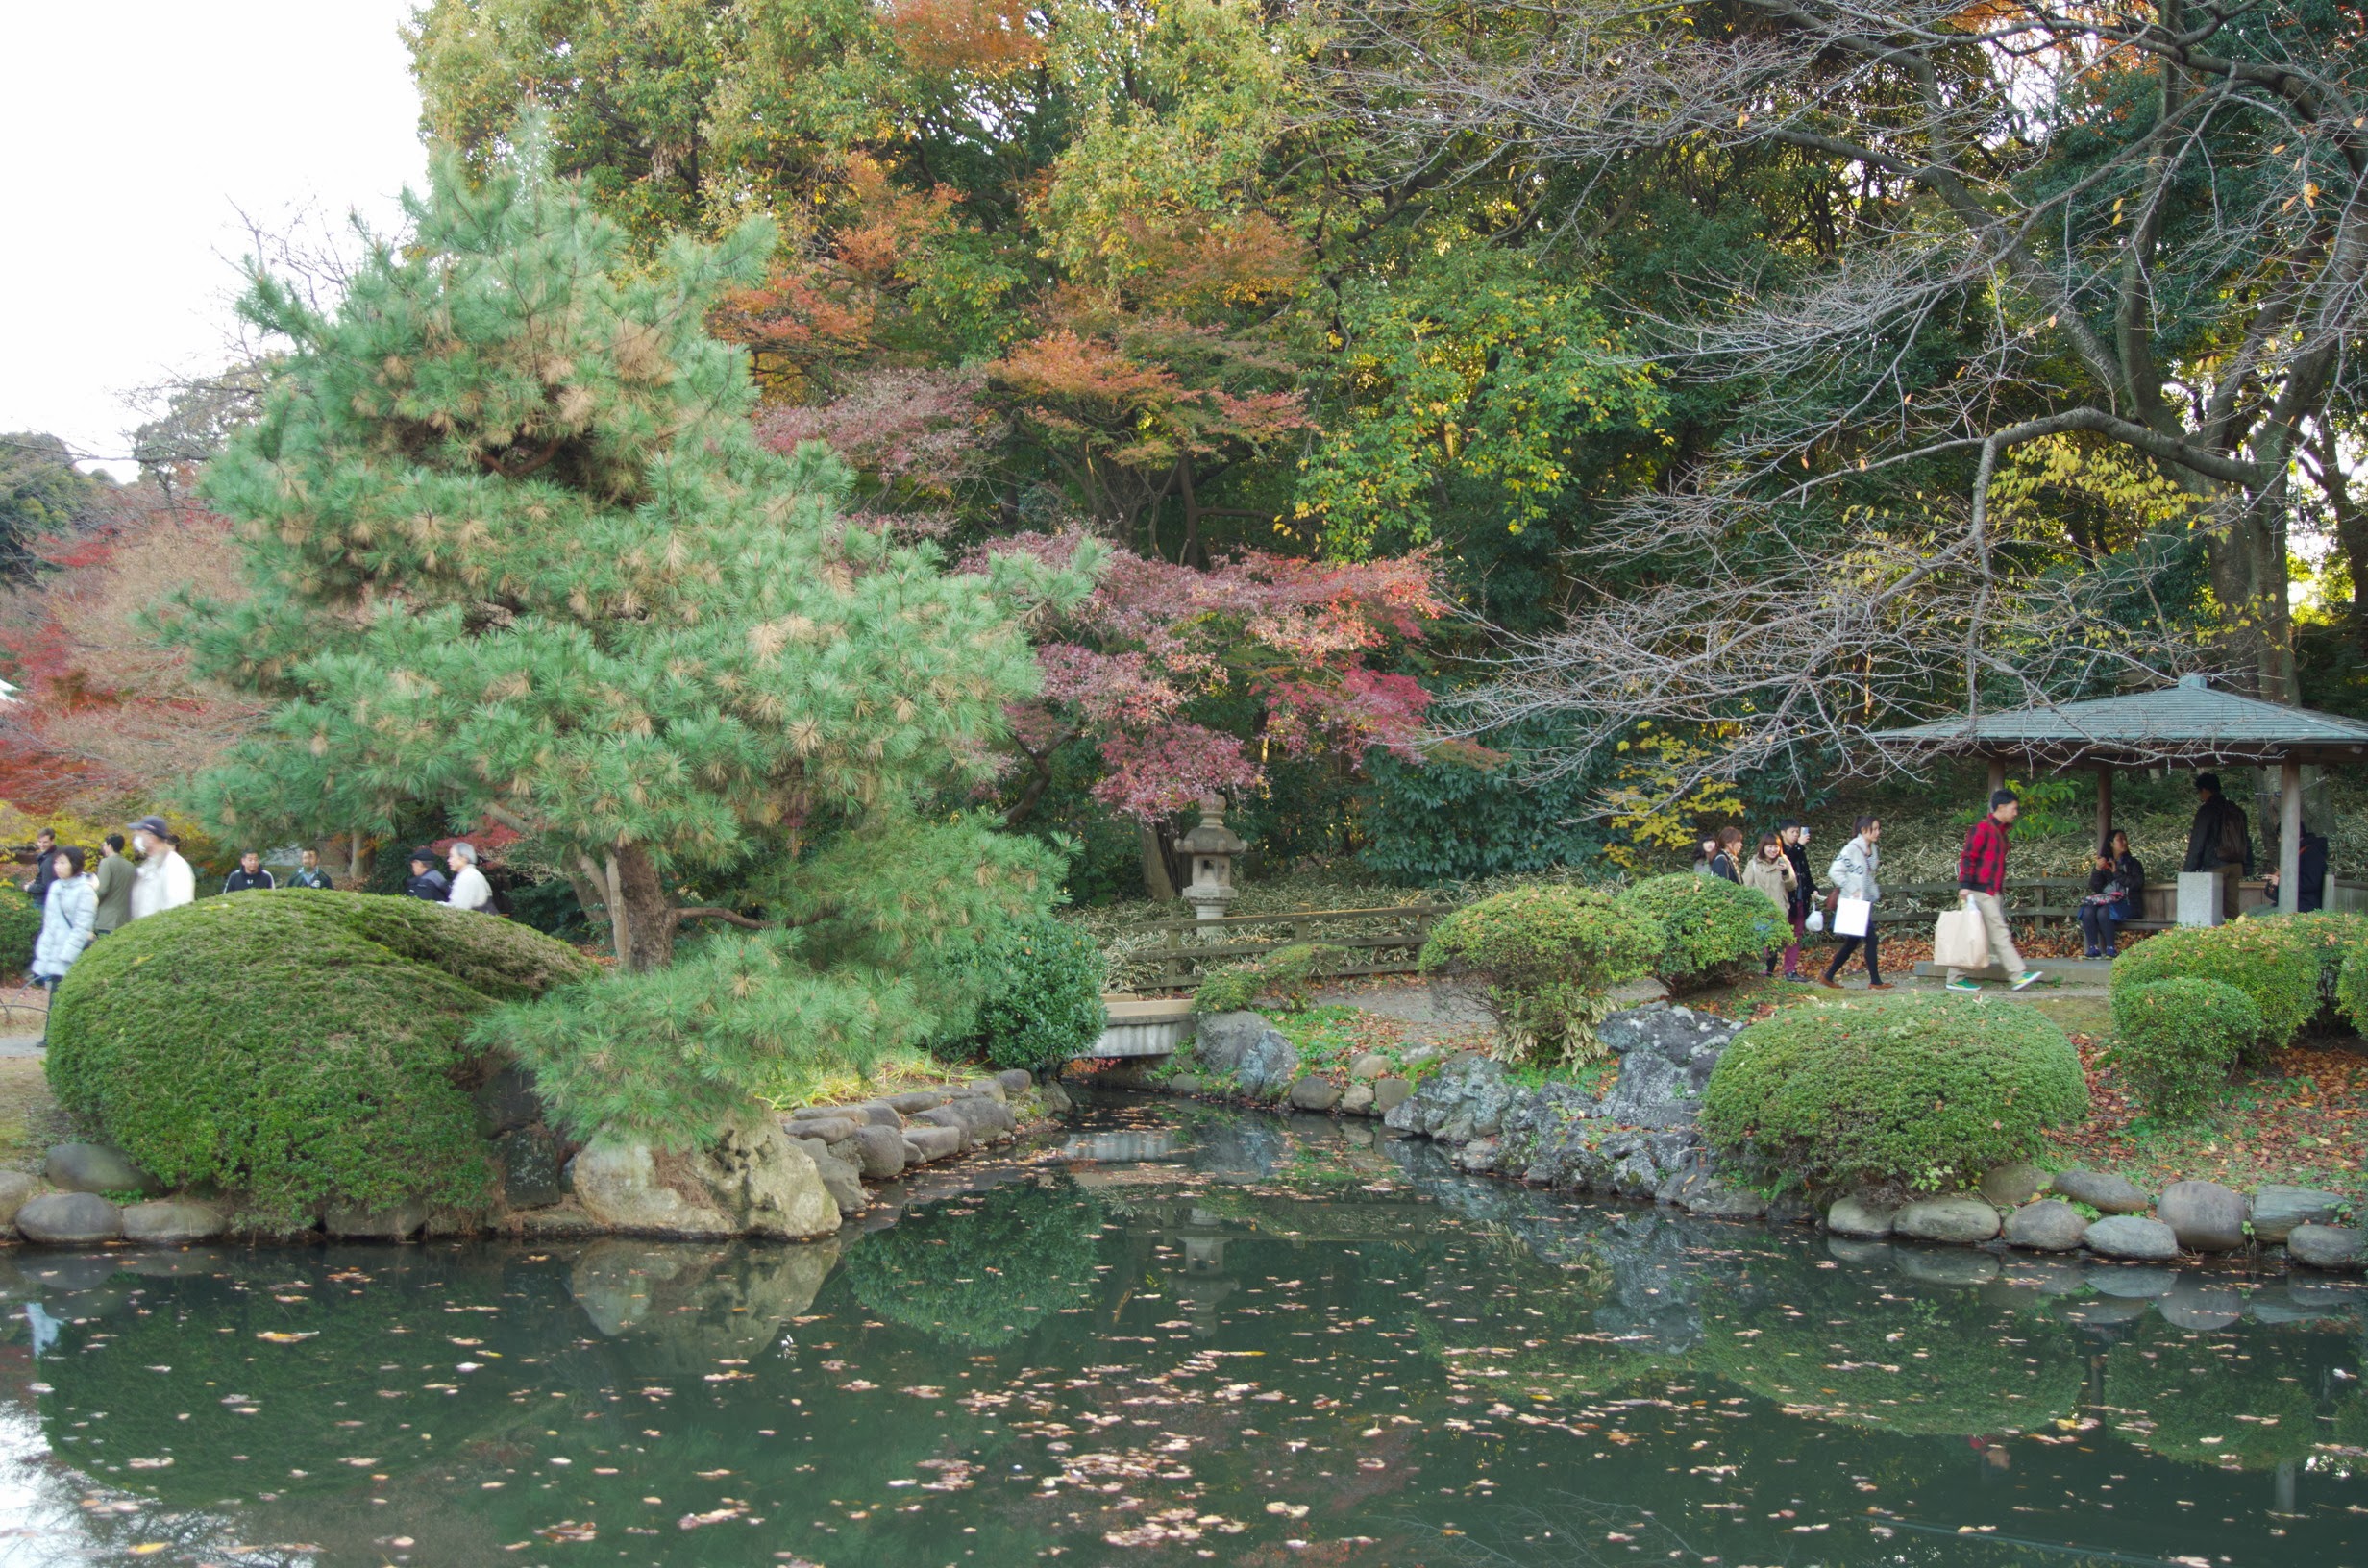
{"points": [[2290, 836], [2105, 804]]}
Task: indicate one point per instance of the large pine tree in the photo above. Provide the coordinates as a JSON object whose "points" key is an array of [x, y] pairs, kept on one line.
{"points": [[516, 555]]}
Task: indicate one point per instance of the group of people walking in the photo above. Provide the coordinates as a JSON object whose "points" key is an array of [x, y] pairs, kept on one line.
{"points": [[81, 903], [1781, 869]]}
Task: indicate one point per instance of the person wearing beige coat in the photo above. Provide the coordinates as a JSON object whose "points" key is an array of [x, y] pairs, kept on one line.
{"points": [[1771, 872]]}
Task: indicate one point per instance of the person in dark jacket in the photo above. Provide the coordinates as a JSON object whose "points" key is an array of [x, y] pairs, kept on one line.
{"points": [[2220, 842], [2116, 892], [115, 877], [1795, 837], [428, 881], [44, 865], [309, 874], [1727, 859], [249, 875], [2310, 877]]}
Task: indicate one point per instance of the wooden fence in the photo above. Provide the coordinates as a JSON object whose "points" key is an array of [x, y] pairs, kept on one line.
{"points": [[1391, 949]]}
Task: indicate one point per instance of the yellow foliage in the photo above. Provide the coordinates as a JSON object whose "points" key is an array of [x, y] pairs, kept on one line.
{"points": [[1648, 814], [17, 826]]}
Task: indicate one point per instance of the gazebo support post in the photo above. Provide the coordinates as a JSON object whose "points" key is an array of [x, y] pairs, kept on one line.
{"points": [[2105, 804], [1997, 779], [2290, 836]]}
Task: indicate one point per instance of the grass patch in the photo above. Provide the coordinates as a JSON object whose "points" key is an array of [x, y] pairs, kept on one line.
{"points": [[814, 1083]]}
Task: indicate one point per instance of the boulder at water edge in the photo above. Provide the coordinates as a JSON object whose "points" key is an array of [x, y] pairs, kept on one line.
{"points": [[65, 1218], [2334, 1248], [94, 1168], [2133, 1237], [2050, 1225], [171, 1222], [1247, 1049], [2205, 1215], [2013, 1184], [15, 1187], [750, 1182], [2106, 1194], [1315, 1095], [1958, 1219], [2278, 1210], [1861, 1216]]}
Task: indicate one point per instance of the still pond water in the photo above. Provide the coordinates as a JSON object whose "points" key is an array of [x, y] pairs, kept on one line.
{"points": [[1172, 1335]]}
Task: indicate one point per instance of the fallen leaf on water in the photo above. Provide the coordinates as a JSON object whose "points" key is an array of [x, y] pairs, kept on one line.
{"points": [[275, 1336]]}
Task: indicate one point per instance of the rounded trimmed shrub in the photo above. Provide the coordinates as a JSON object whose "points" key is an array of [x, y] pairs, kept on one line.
{"points": [[2176, 1040], [295, 1048], [2273, 962], [1041, 1002], [1547, 956], [1715, 929], [1920, 1092], [1231, 988], [2333, 939], [20, 927]]}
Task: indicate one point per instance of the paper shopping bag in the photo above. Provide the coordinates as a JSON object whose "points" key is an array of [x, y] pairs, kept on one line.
{"points": [[1960, 941], [1850, 916]]}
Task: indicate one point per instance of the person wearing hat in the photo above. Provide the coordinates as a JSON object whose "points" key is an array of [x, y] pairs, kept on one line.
{"points": [[426, 881], [163, 880], [2220, 841]]}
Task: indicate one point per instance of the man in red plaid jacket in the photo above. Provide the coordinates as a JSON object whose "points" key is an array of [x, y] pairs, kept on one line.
{"points": [[1982, 882]]}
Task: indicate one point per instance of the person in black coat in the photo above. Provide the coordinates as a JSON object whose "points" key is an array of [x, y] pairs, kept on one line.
{"points": [[427, 880], [2116, 892], [2310, 877]]}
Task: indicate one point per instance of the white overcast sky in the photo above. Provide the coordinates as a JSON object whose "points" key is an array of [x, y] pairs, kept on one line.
{"points": [[137, 131]]}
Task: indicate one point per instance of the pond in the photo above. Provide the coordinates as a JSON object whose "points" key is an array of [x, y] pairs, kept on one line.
{"points": [[1173, 1335]]}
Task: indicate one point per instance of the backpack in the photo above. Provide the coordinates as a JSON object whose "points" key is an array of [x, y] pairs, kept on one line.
{"points": [[2234, 841]]}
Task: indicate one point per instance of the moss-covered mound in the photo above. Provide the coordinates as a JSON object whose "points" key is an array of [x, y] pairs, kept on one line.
{"points": [[297, 1048], [1922, 1093]]}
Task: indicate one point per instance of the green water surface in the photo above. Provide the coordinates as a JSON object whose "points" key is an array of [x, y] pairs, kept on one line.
{"points": [[1172, 1335]]}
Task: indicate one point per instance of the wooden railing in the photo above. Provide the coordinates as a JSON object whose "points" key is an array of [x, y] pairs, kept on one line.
{"points": [[1392, 949]]}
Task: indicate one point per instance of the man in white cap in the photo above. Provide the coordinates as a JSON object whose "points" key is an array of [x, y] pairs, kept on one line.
{"points": [[470, 889], [163, 880]]}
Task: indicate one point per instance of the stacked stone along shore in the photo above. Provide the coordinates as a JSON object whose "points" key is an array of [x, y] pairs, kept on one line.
{"points": [[797, 1177], [1639, 1140]]}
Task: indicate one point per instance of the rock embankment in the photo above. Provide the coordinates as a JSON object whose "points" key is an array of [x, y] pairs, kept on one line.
{"points": [[1639, 1140], [794, 1177]]}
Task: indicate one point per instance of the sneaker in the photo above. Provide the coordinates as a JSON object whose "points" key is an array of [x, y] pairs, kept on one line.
{"points": [[2025, 978], [1965, 986], [2110, 952], [2092, 953]]}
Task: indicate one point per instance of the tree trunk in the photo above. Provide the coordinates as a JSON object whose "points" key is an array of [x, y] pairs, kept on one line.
{"points": [[641, 916], [2249, 578], [1155, 875]]}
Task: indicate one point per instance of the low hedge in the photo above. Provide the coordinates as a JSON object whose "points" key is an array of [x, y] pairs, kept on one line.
{"points": [[1715, 931], [1547, 956], [20, 927], [2174, 1041], [2333, 939], [1039, 999], [296, 1049], [1288, 974], [2273, 962], [1922, 1093]]}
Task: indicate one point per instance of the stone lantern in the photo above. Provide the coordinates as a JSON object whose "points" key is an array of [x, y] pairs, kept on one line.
{"points": [[1212, 846]]}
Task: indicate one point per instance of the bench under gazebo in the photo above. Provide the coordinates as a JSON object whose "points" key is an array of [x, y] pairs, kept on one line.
{"points": [[2193, 723]]}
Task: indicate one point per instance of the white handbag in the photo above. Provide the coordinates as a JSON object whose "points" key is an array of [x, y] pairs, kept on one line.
{"points": [[1960, 940], [1850, 916], [1815, 921]]}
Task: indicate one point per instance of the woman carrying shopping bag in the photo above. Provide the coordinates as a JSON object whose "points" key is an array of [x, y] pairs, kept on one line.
{"points": [[1772, 873], [1856, 893]]}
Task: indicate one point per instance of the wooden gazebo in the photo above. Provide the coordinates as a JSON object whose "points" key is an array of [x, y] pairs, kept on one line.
{"points": [[2191, 724]]}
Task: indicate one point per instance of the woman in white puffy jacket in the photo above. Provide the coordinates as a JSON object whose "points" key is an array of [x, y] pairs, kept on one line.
{"points": [[69, 913], [1853, 876]]}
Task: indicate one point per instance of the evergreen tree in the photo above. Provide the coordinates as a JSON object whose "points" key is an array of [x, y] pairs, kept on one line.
{"points": [[516, 553]]}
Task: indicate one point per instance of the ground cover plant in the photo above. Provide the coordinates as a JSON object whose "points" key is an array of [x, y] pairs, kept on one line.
{"points": [[296, 1050], [1286, 977], [1914, 1092], [1547, 958], [2273, 962]]}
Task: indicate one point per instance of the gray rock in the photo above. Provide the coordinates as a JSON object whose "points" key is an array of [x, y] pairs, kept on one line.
{"points": [[2106, 1194], [1464, 1099], [1389, 1093], [1057, 1099], [1700, 1193], [1015, 1080], [1665, 1057], [2132, 1236], [504, 1101], [876, 1113], [1356, 1100], [1957, 1267], [15, 1187], [94, 1168], [750, 1182], [841, 1180], [1793, 1209], [528, 1161], [992, 1087], [829, 1128], [1957, 1219], [2013, 1185], [2205, 1215], [398, 1223], [926, 1144], [2336, 1248], [880, 1152], [1184, 1083], [2050, 1225], [60, 1219], [2278, 1210], [1860, 1216], [1315, 1095], [916, 1100], [172, 1221], [1478, 1156], [2133, 1282], [1367, 1065], [2201, 1307], [1247, 1049]]}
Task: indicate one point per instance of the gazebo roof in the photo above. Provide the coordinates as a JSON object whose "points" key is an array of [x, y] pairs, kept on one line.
{"points": [[2189, 721]]}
